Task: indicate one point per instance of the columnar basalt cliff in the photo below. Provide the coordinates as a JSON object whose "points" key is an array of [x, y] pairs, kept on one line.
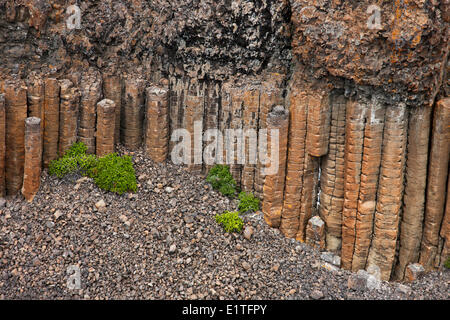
{"points": [[358, 91]]}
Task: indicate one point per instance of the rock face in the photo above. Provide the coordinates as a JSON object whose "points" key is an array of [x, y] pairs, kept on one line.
{"points": [[354, 89]]}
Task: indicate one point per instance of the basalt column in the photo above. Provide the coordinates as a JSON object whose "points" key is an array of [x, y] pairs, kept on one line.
{"points": [[51, 121], [176, 106], [2, 144], [415, 188], [16, 113], [436, 187], [354, 138], [106, 121], [445, 228], [35, 98], [112, 90], [193, 122], [295, 164], [157, 123], [332, 177], [318, 131], [33, 158], [68, 115], [233, 144], [211, 118], [271, 95], [91, 90], [133, 113], [371, 160], [250, 136], [277, 136], [390, 191]]}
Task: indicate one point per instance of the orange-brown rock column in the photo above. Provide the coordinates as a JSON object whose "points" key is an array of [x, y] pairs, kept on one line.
{"points": [[318, 131], [271, 95], [16, 113], [354, 138], [91, 91], [445, 228], [106, 121], [290, 218], [133, 113], [437, 180], [68, 115], [33, 158], [2, 144], [176, 106], [272, 206], [371, 160], [35, 98], [332, 175], [112, 90], [51, 121], [157, 123], [390, 191], [193, 115], [211, 117], [250, 136], [415, 188]]}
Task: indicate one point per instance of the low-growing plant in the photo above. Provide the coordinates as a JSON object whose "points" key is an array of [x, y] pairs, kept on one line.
{"points": [[115, 173], [447, 263], [74, 160], [230, 221], [221, 179], [248, 202], [111, 173]]}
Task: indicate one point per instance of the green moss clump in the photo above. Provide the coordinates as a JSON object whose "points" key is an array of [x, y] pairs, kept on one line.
{"points": [[447, 263], [248, 202], [221, 179], [230, 221], [114, 173]]}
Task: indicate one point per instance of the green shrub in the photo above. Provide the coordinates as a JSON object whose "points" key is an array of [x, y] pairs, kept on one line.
{"points": [[111, 173], [230, 221], [447, 263], [248, 202], [114, 173], [74, 160], [221, 179]]}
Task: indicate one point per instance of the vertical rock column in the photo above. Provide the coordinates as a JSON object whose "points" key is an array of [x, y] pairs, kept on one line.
{"points": [[212, 108], [270, 95], [68, 115], [415, 188], [295, 164], [133, 113], [16, 113], [193, 116], [51, 121], [157, 123], [112, 90], [90, 94], [354, 139], [33, 158], [318, 131], [176, 106], [2, 144], [250, 136], [106, 121], [309, 190], [35, 98], [390, 191], [445, 228], [332, 177], [273, 190], [371, 160], [437, 180]]}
